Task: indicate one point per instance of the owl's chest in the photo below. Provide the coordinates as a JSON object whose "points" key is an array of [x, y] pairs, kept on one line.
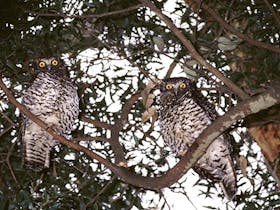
{"points": [[183, 123], [52, 100]]}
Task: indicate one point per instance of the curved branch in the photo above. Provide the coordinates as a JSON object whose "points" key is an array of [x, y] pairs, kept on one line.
{"points": [[228, 27], [245, 108], [127, 107], [193, 51], [117, 127]]}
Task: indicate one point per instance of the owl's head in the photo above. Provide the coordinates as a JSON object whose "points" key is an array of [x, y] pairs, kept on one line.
{"points": [[174, 88], [52, 65]]}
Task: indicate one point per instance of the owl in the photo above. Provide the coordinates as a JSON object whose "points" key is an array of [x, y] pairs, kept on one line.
{"points": [[53, 98], [183, 114]]}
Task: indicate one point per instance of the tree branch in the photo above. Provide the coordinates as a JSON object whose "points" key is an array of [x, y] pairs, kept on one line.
{"points": [[106, 14], [122, 53], [96, 123], [90, 138], [243, 109], [228, 27], [193, 51], [274, 14], [117, 127], [12, 124]]}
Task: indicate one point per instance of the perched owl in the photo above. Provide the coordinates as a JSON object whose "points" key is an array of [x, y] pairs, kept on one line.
{"points": [[184, 114], [53, 98]]}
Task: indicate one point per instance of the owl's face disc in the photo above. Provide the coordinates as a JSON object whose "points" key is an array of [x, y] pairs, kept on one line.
{"points": [[175, 87], [52, 65], [48, 64]]}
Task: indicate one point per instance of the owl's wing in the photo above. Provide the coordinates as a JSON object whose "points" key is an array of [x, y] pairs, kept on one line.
{"points": [[203, 102], [217, 165], [68, 107], [225, 175]]}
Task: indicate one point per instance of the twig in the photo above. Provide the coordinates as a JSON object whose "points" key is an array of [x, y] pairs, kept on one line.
{"points": [[193, 51], [73, 166], [176, 60], [101, 191], [96, 123], [274, 14], [7, 118], [165, 201], [10, 126], [143, 71], [90, 138], [9, 164], [228, 27], [115, 129], [127, 107], [6, 130], [87, 16], [171, 68]]}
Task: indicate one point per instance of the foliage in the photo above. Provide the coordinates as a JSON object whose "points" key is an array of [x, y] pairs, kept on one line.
{"points": [[112, 57]]}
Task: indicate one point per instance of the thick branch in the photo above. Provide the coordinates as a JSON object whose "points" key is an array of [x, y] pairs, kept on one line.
{"points": [[193, 51], [228, 27], [245, 108]]}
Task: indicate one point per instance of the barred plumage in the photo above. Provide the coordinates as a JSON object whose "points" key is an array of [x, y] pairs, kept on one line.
{"points": [[184, 114], [54, 99]]}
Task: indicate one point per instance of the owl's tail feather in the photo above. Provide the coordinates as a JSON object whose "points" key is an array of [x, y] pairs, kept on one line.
{"points": [[36, 148], [35, 166], [37, 162]]}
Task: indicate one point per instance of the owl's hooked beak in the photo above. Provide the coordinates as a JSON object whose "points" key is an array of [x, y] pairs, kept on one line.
{"points": [[176, 91]]}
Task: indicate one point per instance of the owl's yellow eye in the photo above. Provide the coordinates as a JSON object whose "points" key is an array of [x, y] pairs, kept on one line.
{"points": [[168, 86], [54, 62], [42, 64], [183, 85]]}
